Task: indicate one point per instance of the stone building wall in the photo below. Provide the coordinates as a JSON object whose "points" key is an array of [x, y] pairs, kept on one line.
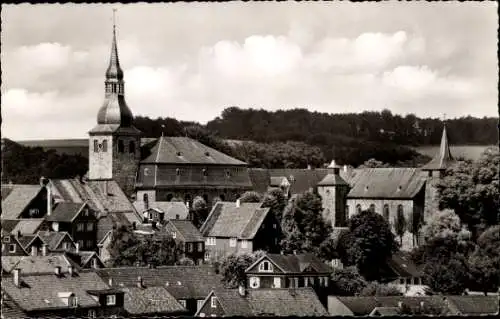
{"points": [[100, 162], [126, 163]]}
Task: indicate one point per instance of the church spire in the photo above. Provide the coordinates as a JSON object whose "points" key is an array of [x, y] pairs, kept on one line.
{"points": [[443, 158], [114, 70]]}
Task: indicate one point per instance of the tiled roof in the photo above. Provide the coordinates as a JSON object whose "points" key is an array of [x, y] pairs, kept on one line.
{"points": [[53, 238], [20, 196], [107, 221], [41, 291], [171, 209], [65, 212], [301, 180], [27, 226], [271, 302], [80, 259], [8, 225], [35, 264], [100, 195], [184, 150], [443, 158], [150, 300], [386, 311], [386, 183], [187, 230], [475, 305], [25, 240], [297, 263], [403, 266], [196, 282], [227, 220], [332, 180], [363, 306], [10, 309], [6, 189]]}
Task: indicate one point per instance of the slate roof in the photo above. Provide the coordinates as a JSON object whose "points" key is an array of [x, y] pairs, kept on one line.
{"points": [[41, 291], [53, 238], [107, 221], [65, 212], [443, 158], [196, 282], [475, 305], [20, 196], [187, 230], [6, 189], [386, 183], [80, 259], [294, 264], [100, 197], [363, 306], [171, 209], [25, 240], [27, 226], [10, 309], [35, 264], [332, 180], [184, 150], [8, 225], [150, 300], [227, 220], [270, 302], [301, 180]]}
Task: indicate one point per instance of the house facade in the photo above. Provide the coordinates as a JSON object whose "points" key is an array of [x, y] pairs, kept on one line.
{"points": [[234, 227], [11, 246], [189, 238]]}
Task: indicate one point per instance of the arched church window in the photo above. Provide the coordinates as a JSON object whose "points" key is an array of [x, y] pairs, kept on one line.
{"points": [[386, 212], [131, 147], [400, 209], [105, 146], [358, 208], [121, 147], [372, 208], [96, 146]]}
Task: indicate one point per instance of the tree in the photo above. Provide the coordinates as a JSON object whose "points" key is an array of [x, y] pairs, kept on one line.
{"points": [[368, 244], [400, 225], [232, 268], [199, 211], [377, 289], [444, 224], [484, 262], [276, 201], [472, 190], [447, 276], [250, 197], [347, 282], [303, 226], [373, 163]]}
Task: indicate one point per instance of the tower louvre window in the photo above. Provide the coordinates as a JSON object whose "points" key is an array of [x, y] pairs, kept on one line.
{"points": [[96, 146], [105, 146], [386, 212]]}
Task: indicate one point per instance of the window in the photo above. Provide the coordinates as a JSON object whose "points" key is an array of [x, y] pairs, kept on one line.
{"points": [[105, 146], [90, 226], [121, 147], [372, 208], [12, 248], [34, 211], [96, 146], [6, 239], [92, 314], [244, 244], [177, 172], [199, 304], [190, 247], [347, 209], [265, 266], [65, 245], [145, 197], [89, 243], [211, 241], [213, 302], [358, 208], [174, 234], [79, 227], [207, 256], [205, 173], [183, 302], [400, 209], [386, 212], [232, 242], [72, 301], [277, 282], [275, 226], [200, 247], [131, 147], [228, 173], [80, 243], [111, 300], [147, 171]]}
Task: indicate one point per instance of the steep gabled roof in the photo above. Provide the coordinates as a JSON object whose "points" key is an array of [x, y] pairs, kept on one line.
{"points": [[20, 196], [332, 180], [8, 225], [184, 150], [35, 264], [474, 305], [386, 183], [228, 220], [187, 230], [150, 300], [363, 306], [171, 209], [443, 158], [295, 264], [66, 212], [53, 238], [27, 226]]}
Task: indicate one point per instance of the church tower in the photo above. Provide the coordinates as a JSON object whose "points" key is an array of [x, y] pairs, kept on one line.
{"points": [[333, 190], [114, 143]]}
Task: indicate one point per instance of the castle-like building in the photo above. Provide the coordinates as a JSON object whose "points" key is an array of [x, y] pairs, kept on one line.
{"points": [[161, 170]]}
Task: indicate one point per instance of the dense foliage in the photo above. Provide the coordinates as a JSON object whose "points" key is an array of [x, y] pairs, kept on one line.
{"points": [[347, 282], [250, 197], [485, 261], [368, 244], [25, 165], [199, 211], [375, 288], [276, 201], [472, 190], [232, 268]]}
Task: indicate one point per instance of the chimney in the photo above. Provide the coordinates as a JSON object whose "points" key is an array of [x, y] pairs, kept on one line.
{"points": [[110, 282], [57, 270], [238, 202], [34, 251], [345, 168], [177, 216], [242, 291], [49, 196], [139, 282], [77, 247], [187, 205], [44, 250], [70, 270], [17, 277]]}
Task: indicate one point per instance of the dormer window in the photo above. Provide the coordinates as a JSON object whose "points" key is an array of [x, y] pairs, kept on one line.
{"points": [[213, 302], [265, 266], [177, 172], [228, 173], [205, 172], [110, 300]]}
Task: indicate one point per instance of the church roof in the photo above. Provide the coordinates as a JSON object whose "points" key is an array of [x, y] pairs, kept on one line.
{"points": [[332, 180], [184, 150], [443, 158]]}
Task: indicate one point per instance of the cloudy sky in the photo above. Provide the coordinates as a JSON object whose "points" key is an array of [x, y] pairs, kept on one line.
{"points": [[190, 61]]}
